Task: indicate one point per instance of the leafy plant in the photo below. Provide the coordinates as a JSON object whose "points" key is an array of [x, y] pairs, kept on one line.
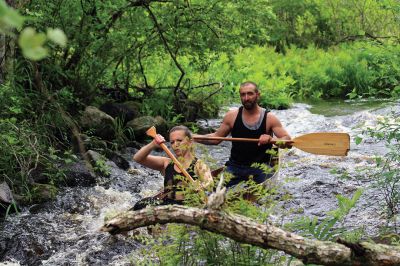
{"points": [[188, 245], [31, 43], [101, 167], [386, 176], [325, 229]]}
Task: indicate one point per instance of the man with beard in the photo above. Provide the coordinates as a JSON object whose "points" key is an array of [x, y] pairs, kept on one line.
{"points": [[250, 121]]}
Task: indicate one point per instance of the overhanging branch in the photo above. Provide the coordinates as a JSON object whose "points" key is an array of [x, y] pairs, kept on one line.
{"points": [[245, 230]]}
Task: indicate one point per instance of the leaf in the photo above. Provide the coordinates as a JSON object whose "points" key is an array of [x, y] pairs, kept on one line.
{"points": [[358, 140], [30, 39], [10, 17], [35, 53], [327, 226], [11, 140], [31, 44], [57, 36]]}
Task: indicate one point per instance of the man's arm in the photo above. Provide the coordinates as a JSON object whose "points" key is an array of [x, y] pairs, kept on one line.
{"points": [[280, 133], [223, 130]]}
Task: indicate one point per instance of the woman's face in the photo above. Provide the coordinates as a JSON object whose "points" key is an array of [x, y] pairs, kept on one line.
{"points": [[180, 143]]}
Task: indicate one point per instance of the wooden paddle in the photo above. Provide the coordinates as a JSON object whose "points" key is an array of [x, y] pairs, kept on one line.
{"points": [[337, 144], [152, 133]]}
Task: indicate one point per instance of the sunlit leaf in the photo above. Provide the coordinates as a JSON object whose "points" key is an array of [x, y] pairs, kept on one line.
{"points": [[29, 38], [35, 53], [9, 17], [57, 36], [358, 140], [31, 44]]}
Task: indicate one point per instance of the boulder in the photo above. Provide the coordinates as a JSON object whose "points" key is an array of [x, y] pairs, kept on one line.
{"points": [[101, 123], [6, 199], [141, 124], [78, 174], [119, 110], [118, 159]]}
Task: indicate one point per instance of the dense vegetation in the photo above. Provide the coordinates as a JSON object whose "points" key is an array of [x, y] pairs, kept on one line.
{"points": [[180, 53]]}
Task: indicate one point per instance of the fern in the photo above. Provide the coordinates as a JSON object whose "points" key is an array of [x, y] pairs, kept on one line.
{"points": [[325, 230]]}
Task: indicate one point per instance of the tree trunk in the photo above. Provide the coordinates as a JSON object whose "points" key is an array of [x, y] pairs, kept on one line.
{"points": [[247, 231], [2, 58]]}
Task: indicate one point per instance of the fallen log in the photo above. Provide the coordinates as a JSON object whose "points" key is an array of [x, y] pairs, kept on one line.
{"points": [[246, 230]]}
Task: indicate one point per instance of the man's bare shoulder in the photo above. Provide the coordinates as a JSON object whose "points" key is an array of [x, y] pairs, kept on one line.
{"points": [[231, 114], [272, 121], [271, 116]]}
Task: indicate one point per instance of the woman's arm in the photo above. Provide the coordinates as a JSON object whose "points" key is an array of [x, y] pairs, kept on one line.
{"points": [[154, 162]]}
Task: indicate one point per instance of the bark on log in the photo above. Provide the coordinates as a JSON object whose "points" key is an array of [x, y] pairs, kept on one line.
{"points": [[245, 230]]}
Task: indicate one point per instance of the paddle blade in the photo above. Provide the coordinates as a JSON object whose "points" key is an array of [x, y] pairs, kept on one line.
{"points": [[336, 144], [152, 132]]}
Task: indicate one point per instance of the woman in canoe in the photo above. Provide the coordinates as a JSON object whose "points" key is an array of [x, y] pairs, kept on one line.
{"points": [[182, 144]]}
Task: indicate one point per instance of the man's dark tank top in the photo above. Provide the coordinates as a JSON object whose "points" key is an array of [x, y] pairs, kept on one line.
{"points": [[246, 153], [171, 183]]}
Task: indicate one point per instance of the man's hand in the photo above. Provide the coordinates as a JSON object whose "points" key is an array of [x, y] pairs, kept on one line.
{"points": [[264, 139]]}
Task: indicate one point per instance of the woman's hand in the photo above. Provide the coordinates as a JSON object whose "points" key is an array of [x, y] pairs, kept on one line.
{"points": [[158, 139]]}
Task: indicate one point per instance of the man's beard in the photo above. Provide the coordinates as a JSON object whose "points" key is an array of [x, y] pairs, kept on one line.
{"points": [[249, 105]]}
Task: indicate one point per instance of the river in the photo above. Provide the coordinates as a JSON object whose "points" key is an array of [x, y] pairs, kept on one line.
{"points": [[65, 231]]}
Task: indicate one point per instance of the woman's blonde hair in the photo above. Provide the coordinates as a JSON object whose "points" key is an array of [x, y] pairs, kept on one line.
{"points": [[185, 129]]}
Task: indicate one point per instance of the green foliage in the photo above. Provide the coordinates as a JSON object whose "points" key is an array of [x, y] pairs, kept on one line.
{"points": [[23, 150], [31, 43], [101, 168], [188, 245], [386, 175], [9, 18], [122, 134], [26, 145], [54, 158], [13, 205], [351, 70], [326, 23], [325, 229], [151, 106]]}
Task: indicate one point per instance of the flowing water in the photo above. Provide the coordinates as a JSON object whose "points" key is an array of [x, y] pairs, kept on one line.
{"points": [[65, 231]]}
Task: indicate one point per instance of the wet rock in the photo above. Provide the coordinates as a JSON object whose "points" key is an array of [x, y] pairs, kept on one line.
{"points": [[6, 200], [118, 159], [5, 193], [101, 123], [141, 124], [78, 174], [120, 111], [134, 171]]}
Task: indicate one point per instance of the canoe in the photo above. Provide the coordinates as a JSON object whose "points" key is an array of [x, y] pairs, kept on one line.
{"points": [[275, 162]]}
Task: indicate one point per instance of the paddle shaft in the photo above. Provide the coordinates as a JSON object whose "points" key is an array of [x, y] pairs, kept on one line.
{"points": [[173, 158], [238, 139]]}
